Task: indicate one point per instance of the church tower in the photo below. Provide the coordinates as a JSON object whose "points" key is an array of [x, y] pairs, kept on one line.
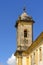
{"points": [[24, 26]]}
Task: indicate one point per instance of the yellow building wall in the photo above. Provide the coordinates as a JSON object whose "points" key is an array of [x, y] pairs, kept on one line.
{"points": [[36, 60]]}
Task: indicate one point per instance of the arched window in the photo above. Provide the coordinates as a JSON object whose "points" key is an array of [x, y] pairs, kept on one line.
{"points": [[25, 33], [40, 53], [34, 57]]}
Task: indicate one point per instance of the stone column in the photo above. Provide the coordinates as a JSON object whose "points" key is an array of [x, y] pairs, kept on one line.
{"points": [[36, 57], [30, 61], [27, 60], [17, 61], [20, 60]]}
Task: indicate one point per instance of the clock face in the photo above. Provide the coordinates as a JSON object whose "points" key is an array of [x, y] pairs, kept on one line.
{"points": [[25, 41]]}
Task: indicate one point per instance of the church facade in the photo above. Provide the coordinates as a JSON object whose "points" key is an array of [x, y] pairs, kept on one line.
{"points": [[28, 52]]}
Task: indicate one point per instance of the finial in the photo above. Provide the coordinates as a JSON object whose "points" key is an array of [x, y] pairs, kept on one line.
{"points": [[24, 9]]}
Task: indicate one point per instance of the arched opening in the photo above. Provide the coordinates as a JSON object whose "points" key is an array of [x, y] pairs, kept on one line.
{"points": [[25, 33]]}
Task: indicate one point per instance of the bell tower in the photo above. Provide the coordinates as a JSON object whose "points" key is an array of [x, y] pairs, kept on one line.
{"points": [[24, 26]]}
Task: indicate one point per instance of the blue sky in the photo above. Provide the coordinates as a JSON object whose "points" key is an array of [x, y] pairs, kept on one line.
{"points": [[9, 12]]}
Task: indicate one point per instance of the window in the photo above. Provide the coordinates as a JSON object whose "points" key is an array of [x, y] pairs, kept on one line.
{"points": [[40, 53], [25, 33], [31, 59], [34, 57]]}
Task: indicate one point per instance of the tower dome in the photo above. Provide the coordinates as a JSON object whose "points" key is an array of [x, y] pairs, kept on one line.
{"points": [[24, 15], [25, 18]]}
